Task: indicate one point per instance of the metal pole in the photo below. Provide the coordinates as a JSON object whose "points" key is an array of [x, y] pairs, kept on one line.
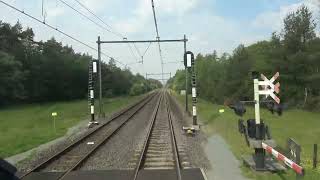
{"points": [[186, 71], [144, 41], [100, 83]]}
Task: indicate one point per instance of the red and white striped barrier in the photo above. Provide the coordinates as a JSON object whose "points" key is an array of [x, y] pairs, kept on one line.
{"points": [[297, 168]]}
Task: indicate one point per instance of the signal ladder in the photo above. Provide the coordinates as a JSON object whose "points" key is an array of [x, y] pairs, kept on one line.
{"points": [[92, 70]]}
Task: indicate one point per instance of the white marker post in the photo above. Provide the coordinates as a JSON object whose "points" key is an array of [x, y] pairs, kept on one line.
{"points": [[257, 100]]}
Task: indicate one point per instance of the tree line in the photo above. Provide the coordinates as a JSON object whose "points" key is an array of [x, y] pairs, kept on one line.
{"points": [[294, 52], [33, 71]]}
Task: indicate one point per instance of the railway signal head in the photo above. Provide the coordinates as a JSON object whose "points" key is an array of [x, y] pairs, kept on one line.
{"points": [[238, 108], [188, 59], [276, 108]]}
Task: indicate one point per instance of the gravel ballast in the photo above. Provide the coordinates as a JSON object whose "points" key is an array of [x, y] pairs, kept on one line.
{"points": [[119, 151]]}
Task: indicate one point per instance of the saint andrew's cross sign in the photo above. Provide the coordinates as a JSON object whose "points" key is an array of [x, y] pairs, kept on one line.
{"points": [[268, 88]]}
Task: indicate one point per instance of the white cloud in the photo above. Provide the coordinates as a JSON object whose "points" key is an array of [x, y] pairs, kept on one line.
{"points": [[129, 26], [55, 12], [179, 7], [274, 19]]}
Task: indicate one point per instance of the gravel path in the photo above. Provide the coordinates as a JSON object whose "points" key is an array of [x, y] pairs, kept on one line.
{"points": [[221, 158]]}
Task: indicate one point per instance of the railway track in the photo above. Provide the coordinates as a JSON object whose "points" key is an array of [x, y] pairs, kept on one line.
{"points": [[160, 150], [74, 155]]}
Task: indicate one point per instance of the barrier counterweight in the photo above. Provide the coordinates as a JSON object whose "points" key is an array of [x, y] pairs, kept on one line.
{"points": [[297, 168]]}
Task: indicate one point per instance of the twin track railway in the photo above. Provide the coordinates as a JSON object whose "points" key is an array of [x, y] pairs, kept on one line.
{"points": [[159, 153], [74, 155]]}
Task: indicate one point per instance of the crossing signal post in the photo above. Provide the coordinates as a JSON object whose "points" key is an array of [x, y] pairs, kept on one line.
{"points": [[257, 133]]}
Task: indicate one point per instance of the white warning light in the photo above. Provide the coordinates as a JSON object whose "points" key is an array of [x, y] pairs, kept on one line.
{"points": [[189, 60], [94, 67]]}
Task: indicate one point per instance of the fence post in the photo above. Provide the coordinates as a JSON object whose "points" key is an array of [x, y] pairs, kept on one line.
{"points": [[315, 158]]}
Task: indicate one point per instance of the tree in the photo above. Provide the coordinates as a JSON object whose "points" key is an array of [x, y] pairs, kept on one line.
{"points": [[50, 71], [299, 29], [295, 54], [11, 78]]}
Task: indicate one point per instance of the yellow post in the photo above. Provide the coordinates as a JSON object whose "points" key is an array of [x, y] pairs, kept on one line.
{"points": [[54, 114]]}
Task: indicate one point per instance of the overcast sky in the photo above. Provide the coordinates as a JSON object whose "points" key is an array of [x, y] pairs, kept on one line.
{"points": [[209, 25]]}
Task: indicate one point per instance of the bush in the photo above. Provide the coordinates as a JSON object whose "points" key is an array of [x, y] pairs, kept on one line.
{"points": [[137, 89]]}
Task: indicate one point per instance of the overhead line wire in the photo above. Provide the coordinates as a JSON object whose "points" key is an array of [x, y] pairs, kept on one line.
{"points": [[88, 18], [146, 50], [56, 29], [132, 53], [100, 19], [137, 50], [112, 30]]}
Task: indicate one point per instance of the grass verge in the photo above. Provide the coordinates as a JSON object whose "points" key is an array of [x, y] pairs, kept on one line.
{"points": [[27, 126], [301, 125]]}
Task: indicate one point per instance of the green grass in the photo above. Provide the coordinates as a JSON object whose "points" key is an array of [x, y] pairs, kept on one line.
{"points": [[27, 126], [303, 126]]}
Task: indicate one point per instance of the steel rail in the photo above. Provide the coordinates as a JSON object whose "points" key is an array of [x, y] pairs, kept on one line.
{"points": [[147, 140], [69, 147], [173, 140], [85, 157], [174, 145]]}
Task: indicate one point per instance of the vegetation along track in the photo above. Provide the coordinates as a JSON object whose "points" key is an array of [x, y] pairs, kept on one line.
{"points": [[74, 155], [160, 149]]}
